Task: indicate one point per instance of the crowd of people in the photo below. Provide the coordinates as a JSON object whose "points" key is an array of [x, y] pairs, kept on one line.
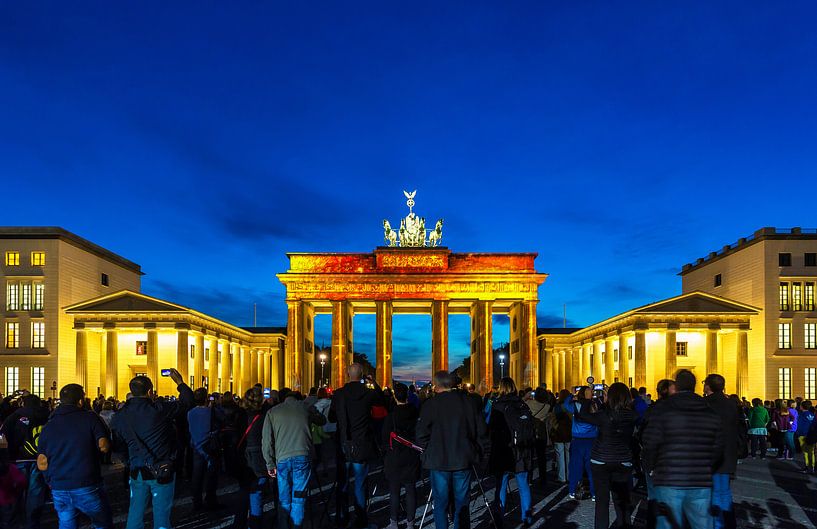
{"points": [[601, 442]]}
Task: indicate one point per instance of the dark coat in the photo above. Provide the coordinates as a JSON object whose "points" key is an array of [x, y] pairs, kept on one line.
{"points": [[17, 429], [153, 423], [352, 408], [727, 410], [400, 462], [253, 456], [504, 456], [615, 440], [682, 442], [452, 433]]}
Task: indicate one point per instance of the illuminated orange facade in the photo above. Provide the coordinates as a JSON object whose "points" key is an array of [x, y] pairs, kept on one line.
{"points": [[431, 281]]}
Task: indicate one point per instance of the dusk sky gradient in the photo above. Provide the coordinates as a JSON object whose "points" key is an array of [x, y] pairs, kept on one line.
{"points": [[205, 140]]}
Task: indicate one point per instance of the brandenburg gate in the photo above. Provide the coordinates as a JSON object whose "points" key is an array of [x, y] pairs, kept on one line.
{"points": [[414, 274]]}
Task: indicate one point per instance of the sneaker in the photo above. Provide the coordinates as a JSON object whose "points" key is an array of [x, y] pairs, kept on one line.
{"points": [[592, 498], [571, 496]]}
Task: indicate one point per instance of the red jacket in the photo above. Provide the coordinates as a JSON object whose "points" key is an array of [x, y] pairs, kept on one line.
{"points": [[11, 484]]}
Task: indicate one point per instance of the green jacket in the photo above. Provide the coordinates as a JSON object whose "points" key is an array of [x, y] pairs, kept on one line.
{"points": [[758, 417], [287, 431]]}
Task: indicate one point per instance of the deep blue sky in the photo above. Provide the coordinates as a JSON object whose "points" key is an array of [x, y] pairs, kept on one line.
{"points": [[204, 140]]}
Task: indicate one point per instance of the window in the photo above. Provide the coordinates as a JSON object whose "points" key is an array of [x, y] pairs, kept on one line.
{"points": [[784, 335], [141, 348], [811, 259], [205, 382], [784, 259], [38, 381], [784, 383], [192, 381], [810, 335], [12, 379], [592, 363], [631, 382], [811, 383], [192, 352], [796, 296], [104, 280], [12, 296], [37, 258], [784, 296], [680, 348], [12, 258], [630, 352], [26, 298], [615, 355], [718, 280], [37, 334], [206, 354], [12, 335], [39, 296]]}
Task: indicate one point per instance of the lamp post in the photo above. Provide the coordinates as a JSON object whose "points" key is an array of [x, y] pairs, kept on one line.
{"points": [[502, 366], [323, 362]]}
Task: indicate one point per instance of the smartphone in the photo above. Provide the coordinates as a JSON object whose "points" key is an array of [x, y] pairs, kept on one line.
{"points": [[165, 372], [212, 397], [598, 387], [267, 393]]}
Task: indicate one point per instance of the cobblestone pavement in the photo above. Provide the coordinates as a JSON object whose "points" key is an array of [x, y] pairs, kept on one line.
{"points": [[768, 494]]}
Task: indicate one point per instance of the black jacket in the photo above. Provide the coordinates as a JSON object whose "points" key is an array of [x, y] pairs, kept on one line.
{"points": [[400, 462], [615, 439], [452, 433], [352, 408], [17, 429], [682, 442], [504, 456], [727, 410], [153, 423], [253, 456]]}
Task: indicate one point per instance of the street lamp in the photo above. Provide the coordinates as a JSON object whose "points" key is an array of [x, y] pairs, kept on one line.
{"points": [[323, 362], [502, 366]]}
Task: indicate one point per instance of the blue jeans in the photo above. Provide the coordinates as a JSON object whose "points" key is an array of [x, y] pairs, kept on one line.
{"points": [[91, 501], [580, 461], [141, 491], [788, 438], [445, 484], [358, 471], [35, 493], [690, 503], [252, 500], [293, 488], [524, 493], [721, 498]]}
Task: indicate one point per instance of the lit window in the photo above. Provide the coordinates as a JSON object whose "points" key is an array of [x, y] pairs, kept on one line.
{"points": [[38, 381], [38, 334], [39, 296], [205, 382], [192, 351], [192, 381], [784, 259], [12, 380], [12, 335], [811, 259], [37, 258], [631, 381], [12, 296], [811, 383], [808, 290], [784, 383], [12, 258], [784, 335], [26, 298], [104, 280], [810, 335], [630, 352], [797, 296], [206, 354], [718, 280], [680, 348], [784, 296], [615, 355]]}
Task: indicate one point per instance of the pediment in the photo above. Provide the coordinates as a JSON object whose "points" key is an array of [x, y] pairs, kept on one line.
{"points": [[125, 301], [697, 302]]}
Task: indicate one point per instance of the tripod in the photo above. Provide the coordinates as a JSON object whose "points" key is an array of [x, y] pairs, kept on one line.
{"points": [[481, 491]]}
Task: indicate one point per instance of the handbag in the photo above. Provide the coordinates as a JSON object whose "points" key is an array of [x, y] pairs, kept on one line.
{"points": [[163, 470]]}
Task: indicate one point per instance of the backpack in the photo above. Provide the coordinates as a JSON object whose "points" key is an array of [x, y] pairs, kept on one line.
{"points": [[32, 442], [521, 424]]}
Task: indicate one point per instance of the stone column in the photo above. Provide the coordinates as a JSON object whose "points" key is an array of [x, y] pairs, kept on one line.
{"points": [[587, 365], [225, 366], [482, 340], [609, 360], [623, 360], [568, 354], [562, 370], [527, 346], [212, 366], [247, 380], [597, 372], [670, 358], [235, 350], [712, 349], [198, 361], [153, 356], [275, 368], [293, 361], [340, 343], [439, 335], [111, 363], [383, 342], [575, 374], [742, 356], [640, 359], [182, 354], [82, 357], [547, 357], [255, 372]]}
